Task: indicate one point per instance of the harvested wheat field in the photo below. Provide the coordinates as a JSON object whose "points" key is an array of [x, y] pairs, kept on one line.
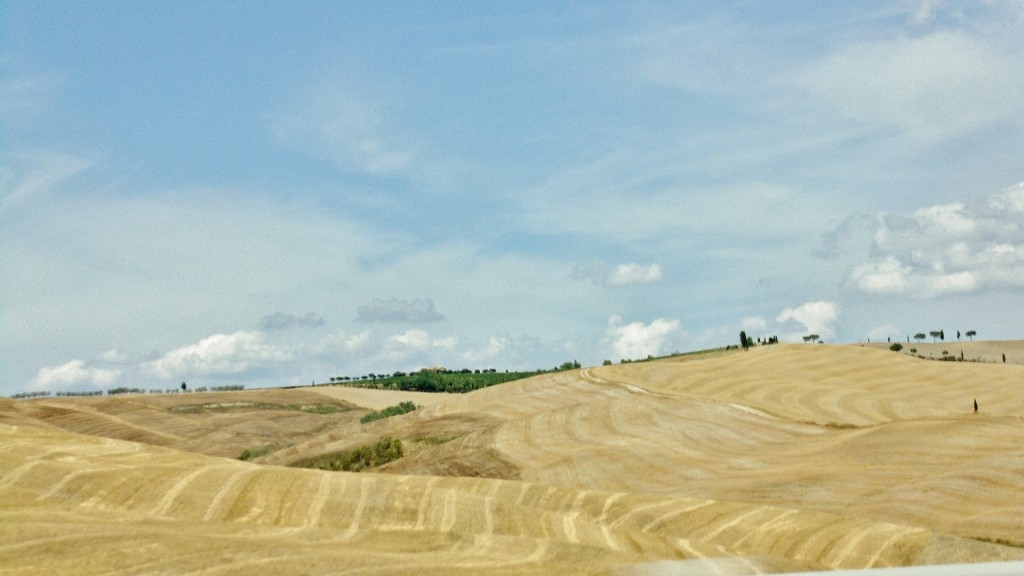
{"points": [[780, 458]]}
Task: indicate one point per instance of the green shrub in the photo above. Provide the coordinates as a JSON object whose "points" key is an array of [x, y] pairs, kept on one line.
{"points": [[896, 347], [370, 456], [255, 453], [400, 408]]}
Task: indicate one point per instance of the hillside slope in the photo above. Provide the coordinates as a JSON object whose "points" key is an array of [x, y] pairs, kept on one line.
{"points": [[786, 457]]}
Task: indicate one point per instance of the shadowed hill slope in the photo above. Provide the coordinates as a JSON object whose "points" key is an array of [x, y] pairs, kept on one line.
{"points": [[786, 457], [215, 423]]}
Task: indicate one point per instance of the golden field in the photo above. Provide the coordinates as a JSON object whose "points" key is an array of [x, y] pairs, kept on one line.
{"points": [[780, 458]]}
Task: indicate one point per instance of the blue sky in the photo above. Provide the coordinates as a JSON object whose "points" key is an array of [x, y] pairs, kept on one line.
{"points": [[272, 193]]}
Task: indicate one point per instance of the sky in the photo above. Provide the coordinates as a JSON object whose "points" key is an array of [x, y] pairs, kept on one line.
{"points": [[277, 193]]}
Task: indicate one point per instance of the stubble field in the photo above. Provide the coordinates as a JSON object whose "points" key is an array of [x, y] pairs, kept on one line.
{"points": [[780, 458]]}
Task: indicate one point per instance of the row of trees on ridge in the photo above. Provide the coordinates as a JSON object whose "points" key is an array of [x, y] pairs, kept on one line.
{"points": [[941, 335]]}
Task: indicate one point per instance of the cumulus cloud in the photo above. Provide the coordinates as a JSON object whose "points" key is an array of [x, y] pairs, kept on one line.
{"points": [[413, 338], [357, 341], [629, 274], [816, 317], [496, 347], [421, 340], [401, 311], [885, 276], [74, 373], [947, 249], [639, 340], [219, 354], [282, 321]]}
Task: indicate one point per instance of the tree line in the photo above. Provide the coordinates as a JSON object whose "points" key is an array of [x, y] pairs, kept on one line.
{"points": [[941, 335]]}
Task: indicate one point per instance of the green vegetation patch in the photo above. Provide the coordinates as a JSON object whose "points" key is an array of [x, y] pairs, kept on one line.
{"points": [[432, 440], [400, 408], [252, 454], [383, 451], [436, 381], [255, 453]]}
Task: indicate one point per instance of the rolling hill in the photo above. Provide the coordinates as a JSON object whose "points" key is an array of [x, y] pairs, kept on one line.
{"points": [[780, 458]]}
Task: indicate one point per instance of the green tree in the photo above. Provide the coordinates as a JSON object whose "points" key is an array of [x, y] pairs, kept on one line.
{"points": [[971, 334], [919, 336], [744, 342], [934, 334], [811, 338]]}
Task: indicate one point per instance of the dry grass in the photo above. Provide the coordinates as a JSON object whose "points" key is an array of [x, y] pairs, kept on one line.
{"points": [[781, 458]]}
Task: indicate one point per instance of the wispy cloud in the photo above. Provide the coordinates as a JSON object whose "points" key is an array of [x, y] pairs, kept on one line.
{"points": [[350, 131], [933, 87], [282, 321], [30, 176], [402, 311], [24, 96]]}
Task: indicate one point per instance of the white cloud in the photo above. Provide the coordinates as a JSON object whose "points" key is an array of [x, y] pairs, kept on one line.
{"points": [[629, 274], [413, 339], [754, 324], [219, 354], [449, 343], [1010, 200], [885, 276], [74, 373], [947, 249], [817, 317], [113, 356], [943, 84], [495, 347], [925, 12], [357, 341], [400, 311], [639, 340]]}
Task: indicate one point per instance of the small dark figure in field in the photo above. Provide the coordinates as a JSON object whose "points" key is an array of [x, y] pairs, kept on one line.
{"points": [[975, 405]]}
